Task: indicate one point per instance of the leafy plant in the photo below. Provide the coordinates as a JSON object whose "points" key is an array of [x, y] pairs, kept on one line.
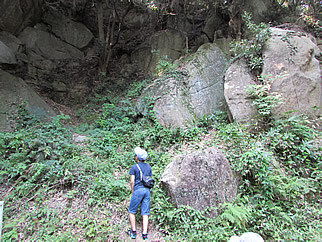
{"points": [[164, 65], [264, 99], [252, 48], [234, 215]]}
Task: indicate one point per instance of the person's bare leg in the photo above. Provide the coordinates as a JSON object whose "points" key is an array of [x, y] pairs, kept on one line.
{"points": [[145, 223], [132, 221]]}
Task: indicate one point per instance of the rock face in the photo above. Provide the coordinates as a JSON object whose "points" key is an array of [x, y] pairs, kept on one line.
{"points": [[290, 63], [201, 179], [290, 59], [6, 54], [11, 41], [37, 52], [15, 15], [194, 90], [168, 43], [15, 90], [258, 8], [237, 79], [47, 45], [76, 34]]}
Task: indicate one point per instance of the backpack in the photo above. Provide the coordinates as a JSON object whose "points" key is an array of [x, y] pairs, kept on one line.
{"points": [[148, 181]]}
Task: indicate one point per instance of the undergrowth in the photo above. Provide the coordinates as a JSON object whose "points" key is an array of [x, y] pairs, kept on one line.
{"points": [[279, 170]]}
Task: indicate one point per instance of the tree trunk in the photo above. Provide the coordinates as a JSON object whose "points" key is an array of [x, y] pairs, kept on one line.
{"points": [[234, 28], [112, 38]]}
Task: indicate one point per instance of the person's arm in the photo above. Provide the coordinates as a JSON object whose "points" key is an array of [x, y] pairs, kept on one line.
{"points": [[132, 182]]}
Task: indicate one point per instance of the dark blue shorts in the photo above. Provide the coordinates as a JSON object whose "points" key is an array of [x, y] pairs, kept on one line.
{"points": [[143, 196]]}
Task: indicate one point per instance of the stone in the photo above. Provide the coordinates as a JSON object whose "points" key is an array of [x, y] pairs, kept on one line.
{"points": [[258, 8], [141, 57], [237, 80], [6, 55], [202, 179], [193, 90], [290, 61], [77, 138], [15, 90], [290, 64], [15, 15], [48, 46], [136, 18], [74, 33], [169, 43], [59, 86], [11, 41]]}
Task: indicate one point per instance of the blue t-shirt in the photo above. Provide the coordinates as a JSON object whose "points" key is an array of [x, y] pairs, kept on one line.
{"points": [[146, 171]]}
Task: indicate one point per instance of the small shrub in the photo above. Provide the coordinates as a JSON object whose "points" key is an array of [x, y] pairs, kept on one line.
{"points": [[252, 48], [264, 100], [164, 65]]}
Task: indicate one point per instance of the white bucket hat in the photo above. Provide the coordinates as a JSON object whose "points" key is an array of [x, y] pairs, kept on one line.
{"points": [[140, 153]]}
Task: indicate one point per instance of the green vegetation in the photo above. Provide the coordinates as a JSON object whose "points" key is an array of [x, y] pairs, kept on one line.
{"points": [[252, 47], [164, 65], [57, 190], [264, 100]]}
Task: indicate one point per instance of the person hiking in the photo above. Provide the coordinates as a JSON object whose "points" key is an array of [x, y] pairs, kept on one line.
{"points": [[140, 193]]}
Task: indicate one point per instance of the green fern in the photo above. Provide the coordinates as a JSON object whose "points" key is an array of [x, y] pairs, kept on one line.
{"points": [[234, 215]]}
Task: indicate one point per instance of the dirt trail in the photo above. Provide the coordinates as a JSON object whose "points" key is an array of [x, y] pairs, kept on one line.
{"points": [[153, 235]]}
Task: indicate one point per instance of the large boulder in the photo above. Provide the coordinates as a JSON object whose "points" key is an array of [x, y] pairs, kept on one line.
{"points": [[137, 18], [48, 46], [290, 61], [195, 89], [15, 15], [202, 179], [15, 91], [167, 43], [290, 65], [260, 9], [72, 32], [237, 80]]}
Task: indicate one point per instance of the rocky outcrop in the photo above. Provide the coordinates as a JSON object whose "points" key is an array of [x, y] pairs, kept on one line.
{"points": [[47, 45], [6, 55], [237, 80], [193, 90], [11, 41], [291, 65], [258, 8], [38, 51], [290, 61], [202, 179], [15, 15], [14, 91], [74, 33], [138, 18], [168, 43]]}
